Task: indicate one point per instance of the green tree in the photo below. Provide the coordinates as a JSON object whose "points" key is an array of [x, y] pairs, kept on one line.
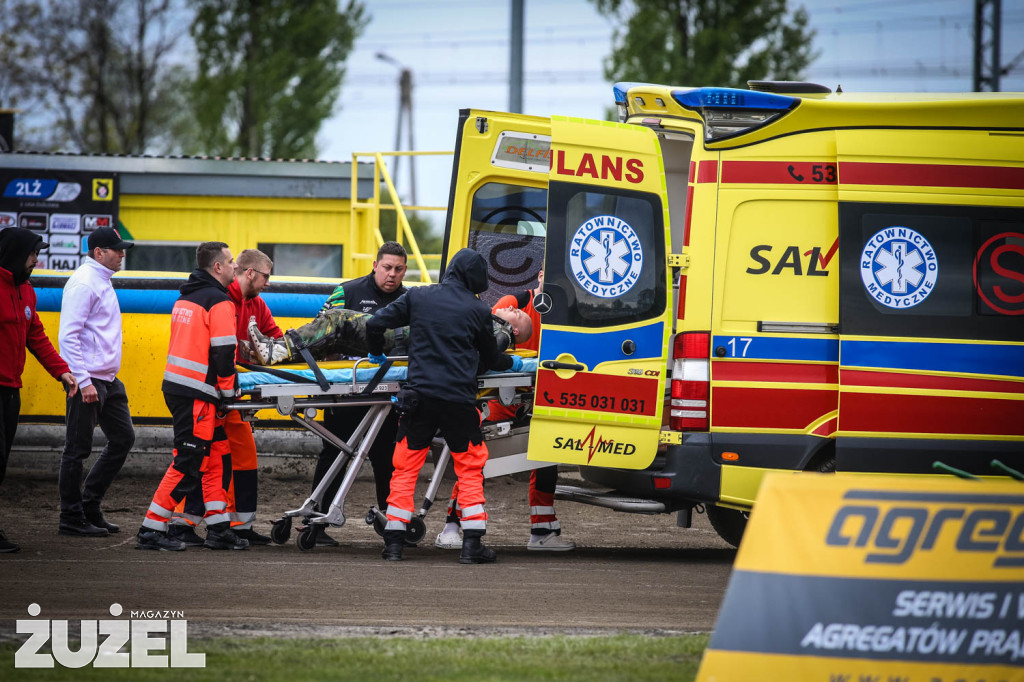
{"points": [[707, 42], [93, 76], [269, 72]]}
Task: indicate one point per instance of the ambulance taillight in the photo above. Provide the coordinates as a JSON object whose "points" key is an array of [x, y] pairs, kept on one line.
{"points": [[691, 382]]}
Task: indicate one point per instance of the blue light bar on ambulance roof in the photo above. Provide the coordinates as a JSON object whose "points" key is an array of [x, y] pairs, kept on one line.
{"points": [[728, 112], [621, 91]]}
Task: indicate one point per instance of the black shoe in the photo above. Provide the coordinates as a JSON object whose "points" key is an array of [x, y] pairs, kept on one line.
{"points": [[94, 516], [80, 527], [394, 542], [322, 538], [185, 534], [6, 546], [154, 539], [254, 538], [474, 552], [224, 539]]}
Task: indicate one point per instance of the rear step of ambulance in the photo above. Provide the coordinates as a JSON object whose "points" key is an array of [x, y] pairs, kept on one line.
{"points": [[609, 498]]}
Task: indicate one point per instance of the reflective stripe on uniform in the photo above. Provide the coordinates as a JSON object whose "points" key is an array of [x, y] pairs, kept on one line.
{"points": [[473, 524], [217, 518], [395, 525], [216, 505], [223, 340], [473, 510], [184, 363], [194, 384], [542, 511], [159, 511], [399, 513], [546, 525], [154, 525]]}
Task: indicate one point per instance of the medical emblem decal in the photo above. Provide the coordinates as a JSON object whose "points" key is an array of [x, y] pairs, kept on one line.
{"points": [[899, 267], [605, 256]]}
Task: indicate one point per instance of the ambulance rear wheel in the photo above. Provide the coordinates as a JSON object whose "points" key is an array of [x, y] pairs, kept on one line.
{"points": [[728, 523], [281, 530], [415, 532], [307, 539]]}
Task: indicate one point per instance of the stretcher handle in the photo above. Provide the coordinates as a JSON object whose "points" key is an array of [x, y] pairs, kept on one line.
{"points": [[378, 376]]}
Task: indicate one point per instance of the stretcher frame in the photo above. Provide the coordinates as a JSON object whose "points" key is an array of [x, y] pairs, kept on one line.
{"points": [[300, 400]]}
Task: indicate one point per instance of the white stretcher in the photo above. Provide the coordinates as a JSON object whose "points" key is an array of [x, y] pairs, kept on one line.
{"points": [[299, 394]]}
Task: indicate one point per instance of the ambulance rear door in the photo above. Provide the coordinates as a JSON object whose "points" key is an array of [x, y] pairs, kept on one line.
{"points": [[605, 311]]}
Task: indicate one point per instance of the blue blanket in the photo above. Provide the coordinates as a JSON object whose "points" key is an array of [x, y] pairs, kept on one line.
{"points": [[248, 380]]}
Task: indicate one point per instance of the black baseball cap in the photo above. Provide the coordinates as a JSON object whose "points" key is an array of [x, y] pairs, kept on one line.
{"points": [[108, 238]]}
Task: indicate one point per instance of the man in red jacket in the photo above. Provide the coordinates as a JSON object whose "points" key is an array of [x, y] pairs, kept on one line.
{"points": [[253, 275], [20, 328]]}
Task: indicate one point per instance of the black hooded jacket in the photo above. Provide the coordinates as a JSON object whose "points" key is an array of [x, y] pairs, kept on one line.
{"points": [[450, 331]]}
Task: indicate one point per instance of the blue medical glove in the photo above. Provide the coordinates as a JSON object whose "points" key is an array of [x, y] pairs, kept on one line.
{"points": [[517, 363], [377, 358]]}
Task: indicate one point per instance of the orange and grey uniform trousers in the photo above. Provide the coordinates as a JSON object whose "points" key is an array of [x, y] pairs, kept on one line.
{"points": [[459, 423], [240, 474], [198, 467], [542, 502]]}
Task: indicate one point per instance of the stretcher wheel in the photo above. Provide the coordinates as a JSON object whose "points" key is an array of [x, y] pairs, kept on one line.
{"points": [[281, 530], [307, 539], [415, 532], [376, 519]]}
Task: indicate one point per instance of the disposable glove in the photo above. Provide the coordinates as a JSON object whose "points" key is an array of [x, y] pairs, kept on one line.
{"points": [[377, 358], [517, 363]]}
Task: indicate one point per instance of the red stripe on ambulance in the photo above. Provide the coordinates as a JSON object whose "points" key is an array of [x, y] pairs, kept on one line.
{"points": [[597, 392], [931, 175], [774, 371], [852, 377], [779, 172], [770, 408], [901, 414]]}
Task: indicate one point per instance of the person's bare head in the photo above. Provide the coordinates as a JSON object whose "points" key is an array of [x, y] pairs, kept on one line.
{"points": [[522, 325], [216, 259], [254, 269], [390, 266]]}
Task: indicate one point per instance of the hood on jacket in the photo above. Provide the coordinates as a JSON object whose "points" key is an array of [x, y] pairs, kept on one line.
{"points": [[470, 268], [200, 279], [16, 243]]}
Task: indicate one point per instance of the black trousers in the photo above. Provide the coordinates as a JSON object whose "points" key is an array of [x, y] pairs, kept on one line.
{"points": [[10, 408], [111, 414], [342, 422]]}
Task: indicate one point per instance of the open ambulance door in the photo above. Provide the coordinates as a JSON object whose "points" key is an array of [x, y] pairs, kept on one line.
{"points": [[498, 200], [606, 317]]}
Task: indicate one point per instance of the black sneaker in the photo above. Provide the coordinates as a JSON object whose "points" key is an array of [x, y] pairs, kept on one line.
{"points": [[474, 552], [185, 534], [255, 539], [80, 527], [154, 539], [94, 516], [394, 541], [6, 546], [224, 539]]}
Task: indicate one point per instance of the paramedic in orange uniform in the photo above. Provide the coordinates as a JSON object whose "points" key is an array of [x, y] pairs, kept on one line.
{"points": [[450, 335], [200, 374], [545, 530]]}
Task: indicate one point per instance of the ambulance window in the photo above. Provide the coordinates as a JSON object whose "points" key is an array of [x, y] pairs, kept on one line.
{"points": [[611, 256], [508, 224], [954, 272]]}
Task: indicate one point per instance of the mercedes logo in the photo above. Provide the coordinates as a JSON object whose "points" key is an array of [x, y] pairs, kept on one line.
{"points": [[542, 303]]}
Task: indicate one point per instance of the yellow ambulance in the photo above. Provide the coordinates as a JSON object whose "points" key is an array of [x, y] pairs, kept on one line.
{"points": [[740, 281]]}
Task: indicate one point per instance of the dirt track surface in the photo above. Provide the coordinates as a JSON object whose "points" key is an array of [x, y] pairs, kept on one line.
{"points": [[629, 572]]}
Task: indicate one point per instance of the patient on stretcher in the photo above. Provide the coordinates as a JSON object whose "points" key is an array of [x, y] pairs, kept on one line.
{"points": [[339, 331]]}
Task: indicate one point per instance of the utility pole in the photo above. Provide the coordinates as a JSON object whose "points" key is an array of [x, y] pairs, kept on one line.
{"points": [[515, 62], [404, 115], [988, 16]]}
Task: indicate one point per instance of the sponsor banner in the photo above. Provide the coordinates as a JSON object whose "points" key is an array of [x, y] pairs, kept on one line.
{"points": [[61, 261], [58, 205], [842, 576]]}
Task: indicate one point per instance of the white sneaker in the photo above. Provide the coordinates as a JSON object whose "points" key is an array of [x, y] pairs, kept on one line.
{"points": [[449, 540], [552, 542]]}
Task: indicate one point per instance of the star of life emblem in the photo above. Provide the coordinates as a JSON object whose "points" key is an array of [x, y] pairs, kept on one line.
{"points": [[605, 256], [898, 267]]}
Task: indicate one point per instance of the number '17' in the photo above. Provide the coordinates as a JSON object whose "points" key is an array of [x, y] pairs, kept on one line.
{"points": [[743, 344]]}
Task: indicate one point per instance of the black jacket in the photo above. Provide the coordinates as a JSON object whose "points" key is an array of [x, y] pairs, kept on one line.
{"points": [[450, 331], [362, 294]]}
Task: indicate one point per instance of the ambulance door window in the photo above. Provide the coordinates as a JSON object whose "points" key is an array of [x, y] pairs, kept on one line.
{"points": [[947, 272], [611, 256], [508, 224]]}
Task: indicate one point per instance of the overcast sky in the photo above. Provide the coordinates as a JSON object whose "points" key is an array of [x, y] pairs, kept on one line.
{"points": [[458, 51]]}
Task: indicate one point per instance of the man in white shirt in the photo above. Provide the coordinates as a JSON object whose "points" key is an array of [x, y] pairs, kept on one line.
{"points": [[90, 341]]}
